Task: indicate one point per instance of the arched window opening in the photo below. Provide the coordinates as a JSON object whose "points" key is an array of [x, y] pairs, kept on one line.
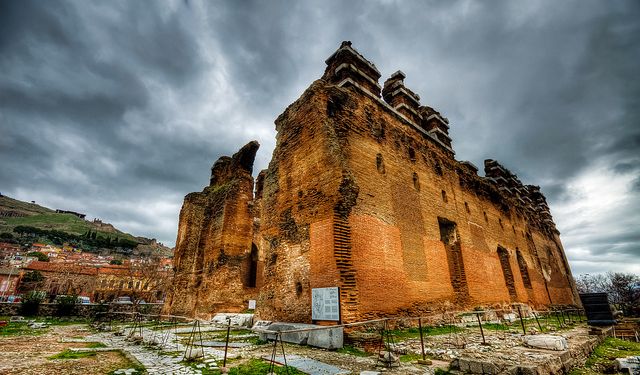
{"points": [[412, 154], [252, 269], [380, 163]]}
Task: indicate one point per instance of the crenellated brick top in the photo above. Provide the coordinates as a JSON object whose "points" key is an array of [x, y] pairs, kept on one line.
{"points": [[528, 196], [347, 65], [348, 68]]}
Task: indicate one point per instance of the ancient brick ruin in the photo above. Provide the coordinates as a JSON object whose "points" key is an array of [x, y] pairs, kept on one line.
{"points": [[363, 193]]}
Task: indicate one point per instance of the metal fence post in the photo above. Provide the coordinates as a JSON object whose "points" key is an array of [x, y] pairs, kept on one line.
{"points": [[521, 321], [484, 342], [421, 338]]}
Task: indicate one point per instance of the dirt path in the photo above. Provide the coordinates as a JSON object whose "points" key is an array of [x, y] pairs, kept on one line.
{"points": [[28, 354]]}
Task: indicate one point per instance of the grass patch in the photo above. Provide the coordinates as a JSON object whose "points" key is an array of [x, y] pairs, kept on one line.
{"points": [[351, 350], [556, 321], [412, 333], [411, 357], [260, 367], [602, 360], [21, 329], [242, 335], [93, 345], [63, 222], [256, 341], [174, 353], [495, 327], [193, 363], [68, 354], [163, 326], [63, 321], [219, 335]]}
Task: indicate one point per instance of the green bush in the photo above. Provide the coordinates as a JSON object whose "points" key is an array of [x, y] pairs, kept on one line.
{"points": [[66, 305], [6, 236], [30, 304], [32, 277], [68, 354]]}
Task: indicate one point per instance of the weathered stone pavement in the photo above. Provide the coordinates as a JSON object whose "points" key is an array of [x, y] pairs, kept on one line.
{"points": [[160, 352]]}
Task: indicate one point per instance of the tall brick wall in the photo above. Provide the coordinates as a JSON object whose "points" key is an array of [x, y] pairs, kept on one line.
{"points": [[297, 208], [363, 192], [387, 253]]}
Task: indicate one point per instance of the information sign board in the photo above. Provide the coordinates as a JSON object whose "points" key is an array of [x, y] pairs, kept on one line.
{"points": [[325, 304]]}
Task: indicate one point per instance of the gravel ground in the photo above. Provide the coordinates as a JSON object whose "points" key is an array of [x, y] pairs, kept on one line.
{"points": [[27, 355]]}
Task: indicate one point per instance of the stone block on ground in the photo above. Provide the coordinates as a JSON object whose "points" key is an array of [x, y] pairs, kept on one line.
{"points": [[324, 337], [240, 320], [549, 342], [630, 365]]}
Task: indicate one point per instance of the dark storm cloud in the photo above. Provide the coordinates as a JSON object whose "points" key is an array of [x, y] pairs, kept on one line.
{"points": [[635, 186], [118, 109]]}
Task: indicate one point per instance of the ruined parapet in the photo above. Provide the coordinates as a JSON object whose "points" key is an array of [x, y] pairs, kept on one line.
{"points": [[436, 124], [347, 67], [227, 168], [469, 167], [528, 197], [539, 204], [498, 174], [398, 96]]}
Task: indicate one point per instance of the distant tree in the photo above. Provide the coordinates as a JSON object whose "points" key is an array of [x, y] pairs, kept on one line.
{"points": [[32, 280], [7, 236], [66, 305], [41, 257], [623, 289], [146, 280], [30, 304], [588, 283], [23, 230], [32, 277]]}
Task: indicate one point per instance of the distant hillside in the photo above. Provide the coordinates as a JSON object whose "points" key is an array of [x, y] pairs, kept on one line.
{"points": [[14, 206], [92, 235]]}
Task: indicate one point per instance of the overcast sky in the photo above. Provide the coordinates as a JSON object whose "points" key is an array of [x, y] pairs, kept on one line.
{"points": [[118, 109]]}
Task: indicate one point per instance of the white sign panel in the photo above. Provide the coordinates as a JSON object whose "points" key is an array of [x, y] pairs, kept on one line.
{"points": [[252, 304], [325, 304]]}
